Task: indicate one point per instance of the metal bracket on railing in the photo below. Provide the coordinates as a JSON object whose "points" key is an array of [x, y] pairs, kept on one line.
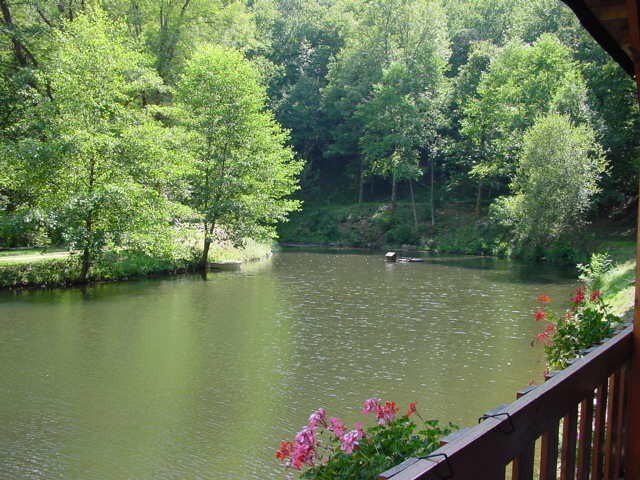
{"points": [[448, 474], [486, 416]]}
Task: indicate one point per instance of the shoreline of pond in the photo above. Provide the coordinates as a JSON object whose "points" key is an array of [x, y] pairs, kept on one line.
{"points": [[64, 271]]}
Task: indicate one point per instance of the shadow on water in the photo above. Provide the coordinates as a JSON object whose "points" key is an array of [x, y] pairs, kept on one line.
{"points": [[498, 269]]}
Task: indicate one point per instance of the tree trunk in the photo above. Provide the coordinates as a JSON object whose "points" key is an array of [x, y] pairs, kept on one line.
{"points": [[433, 206], [361, 185], [204, 262], [86, 265], [88, 224], [168, 38], [393, 191], [478, 198], [413, 204], [20, 51], [86, 251]]}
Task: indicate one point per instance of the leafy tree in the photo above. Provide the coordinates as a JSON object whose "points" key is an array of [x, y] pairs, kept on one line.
{"points": [[468, 151], [554, 185], [241, 170], [305, 36], [472, 21], [393, 63], [523, 82], [88, 177]]}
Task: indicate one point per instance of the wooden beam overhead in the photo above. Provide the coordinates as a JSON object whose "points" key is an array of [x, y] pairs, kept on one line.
{"points": [[607, 24], [611, 12]]}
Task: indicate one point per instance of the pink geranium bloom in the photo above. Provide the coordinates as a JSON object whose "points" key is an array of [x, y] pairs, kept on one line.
{"points": [[317, 418], [370, 405], [595, 295], [304, 448], [337, 427], [349, 441], [306, 436], [302, 455]]}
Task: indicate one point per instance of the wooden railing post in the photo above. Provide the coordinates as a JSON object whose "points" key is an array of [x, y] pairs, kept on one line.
{"points": [[632, 450]]}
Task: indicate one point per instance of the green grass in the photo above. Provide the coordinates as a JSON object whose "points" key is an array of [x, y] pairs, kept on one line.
{"points": [[227, 252], [6, 255], [29, 270], [617, 284]]}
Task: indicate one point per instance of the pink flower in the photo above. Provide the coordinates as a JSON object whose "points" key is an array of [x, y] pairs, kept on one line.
{"points": [[337, 427], [370, 405], [411, 410], [595, 295], [306, 436], [358, 427], [304, 448], [302, 455], [544, 298], [349, 441], [317, 418]]}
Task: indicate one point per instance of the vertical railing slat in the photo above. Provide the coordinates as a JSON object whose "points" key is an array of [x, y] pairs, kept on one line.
{"points": [[568, 452], [585, 437], [549, 453], [610, 425], [598, 434], [523, 463], [619, 436]]}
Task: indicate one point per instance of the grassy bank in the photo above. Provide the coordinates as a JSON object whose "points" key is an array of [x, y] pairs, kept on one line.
{"points": [[617, 283], [29, 269], [375, 225]]}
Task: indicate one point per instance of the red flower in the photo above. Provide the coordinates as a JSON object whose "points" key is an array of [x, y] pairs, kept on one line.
{"points": [[542, 336], [544, 298], [284, 451], [545, 336], [579, 296], [595, 295], [386, 413], [411, 410], [539, 315]]}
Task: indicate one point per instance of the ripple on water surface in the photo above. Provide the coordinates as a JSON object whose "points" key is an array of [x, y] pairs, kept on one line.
{"points": [[180, 378]]}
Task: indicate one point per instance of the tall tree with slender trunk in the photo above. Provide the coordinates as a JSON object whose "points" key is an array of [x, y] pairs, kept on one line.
{"points": [[241, 172]]}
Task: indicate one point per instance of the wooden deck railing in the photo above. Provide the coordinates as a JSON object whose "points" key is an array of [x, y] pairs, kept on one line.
{"points": [[570, 427]]}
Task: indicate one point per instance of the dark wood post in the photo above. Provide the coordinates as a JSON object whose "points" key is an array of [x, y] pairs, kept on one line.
{"points": [[632, 451]]}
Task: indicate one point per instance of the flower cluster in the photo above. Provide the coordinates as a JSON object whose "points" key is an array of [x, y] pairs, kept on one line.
{"points": [[586, 322], [385, 413], [322, 438]]}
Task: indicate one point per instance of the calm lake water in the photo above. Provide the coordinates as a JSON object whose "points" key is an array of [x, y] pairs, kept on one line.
{"points": [[186, 379]]}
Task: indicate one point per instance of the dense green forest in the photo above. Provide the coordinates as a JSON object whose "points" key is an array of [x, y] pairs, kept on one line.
{"points": [[157, 127]]}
